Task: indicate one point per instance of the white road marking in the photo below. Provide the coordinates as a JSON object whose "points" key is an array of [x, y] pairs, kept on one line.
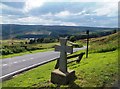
{"points": [[31, 58], [7, 75], [15, 62], [4, 64], [29, 67], [23, 60]]}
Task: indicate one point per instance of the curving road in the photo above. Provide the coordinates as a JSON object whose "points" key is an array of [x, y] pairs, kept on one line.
{"points": [[11, 66]]}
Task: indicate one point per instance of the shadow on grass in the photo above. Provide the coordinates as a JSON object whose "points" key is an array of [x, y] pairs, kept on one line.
{"points": [[71, 85], [74, 86]]}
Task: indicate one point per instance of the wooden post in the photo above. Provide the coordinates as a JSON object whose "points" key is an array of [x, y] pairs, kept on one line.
{"points": [[87, 32]]}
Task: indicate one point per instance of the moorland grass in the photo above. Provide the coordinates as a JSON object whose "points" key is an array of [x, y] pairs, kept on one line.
{"points": [[104, 44]]}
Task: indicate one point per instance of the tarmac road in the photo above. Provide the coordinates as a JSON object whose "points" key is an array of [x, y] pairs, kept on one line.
{"points": [[11, 66]]}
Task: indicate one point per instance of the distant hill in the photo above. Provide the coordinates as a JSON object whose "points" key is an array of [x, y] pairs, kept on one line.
{"points": [[105, 43], [38, 31]]}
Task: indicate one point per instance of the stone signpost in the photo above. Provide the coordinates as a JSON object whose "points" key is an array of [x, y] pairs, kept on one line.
{"points": [[62, 75]]}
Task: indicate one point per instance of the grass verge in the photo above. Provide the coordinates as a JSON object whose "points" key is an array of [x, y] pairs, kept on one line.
{"points": [[27, 52], [99, 70]]}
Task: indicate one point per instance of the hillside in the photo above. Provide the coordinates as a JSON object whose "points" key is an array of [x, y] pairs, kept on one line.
{"points": [[104, 44], [37, 31], [100, 69]]}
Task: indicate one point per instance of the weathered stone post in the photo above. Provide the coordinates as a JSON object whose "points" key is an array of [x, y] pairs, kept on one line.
{"points": [[62, 75]]}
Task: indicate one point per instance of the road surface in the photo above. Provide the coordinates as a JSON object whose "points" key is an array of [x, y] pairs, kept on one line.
{"points": [[13, 65]]}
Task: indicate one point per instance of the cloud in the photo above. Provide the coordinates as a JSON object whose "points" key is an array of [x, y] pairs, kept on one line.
{"points": [[0, 19], [107, 9], [14, 4], [8, 19], [69, 24], [67, 13], [37, 20], [63, 0], [89, 21], [7, 10], [63, 14], [29, 4]]}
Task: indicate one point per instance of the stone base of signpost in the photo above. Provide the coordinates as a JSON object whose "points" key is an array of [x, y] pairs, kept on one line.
{"points": [[58, 77]]}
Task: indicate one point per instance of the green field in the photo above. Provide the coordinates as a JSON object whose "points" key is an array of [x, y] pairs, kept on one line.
{"points": [[99, 70], [24, 53], [17, 50]]}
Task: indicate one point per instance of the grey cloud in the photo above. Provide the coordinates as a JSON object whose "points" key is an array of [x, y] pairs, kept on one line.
{"points": [[18, 5], [86, 18], [7, 10]]}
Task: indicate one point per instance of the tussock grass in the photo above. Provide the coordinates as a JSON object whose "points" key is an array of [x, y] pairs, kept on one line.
{"points": [[104, 44]]}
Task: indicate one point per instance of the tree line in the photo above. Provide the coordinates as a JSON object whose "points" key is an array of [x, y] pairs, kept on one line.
{"points": [[71, 37]]}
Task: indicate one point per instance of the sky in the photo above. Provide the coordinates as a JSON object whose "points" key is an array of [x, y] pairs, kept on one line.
{"points": [[91, 13]]}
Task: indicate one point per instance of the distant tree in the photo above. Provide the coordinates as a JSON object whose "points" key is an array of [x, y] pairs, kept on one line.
{"points": [[40, 40], [26, 42], [49, 40], [72, 38], [46, 40], [31, 41], [114, 31]]}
